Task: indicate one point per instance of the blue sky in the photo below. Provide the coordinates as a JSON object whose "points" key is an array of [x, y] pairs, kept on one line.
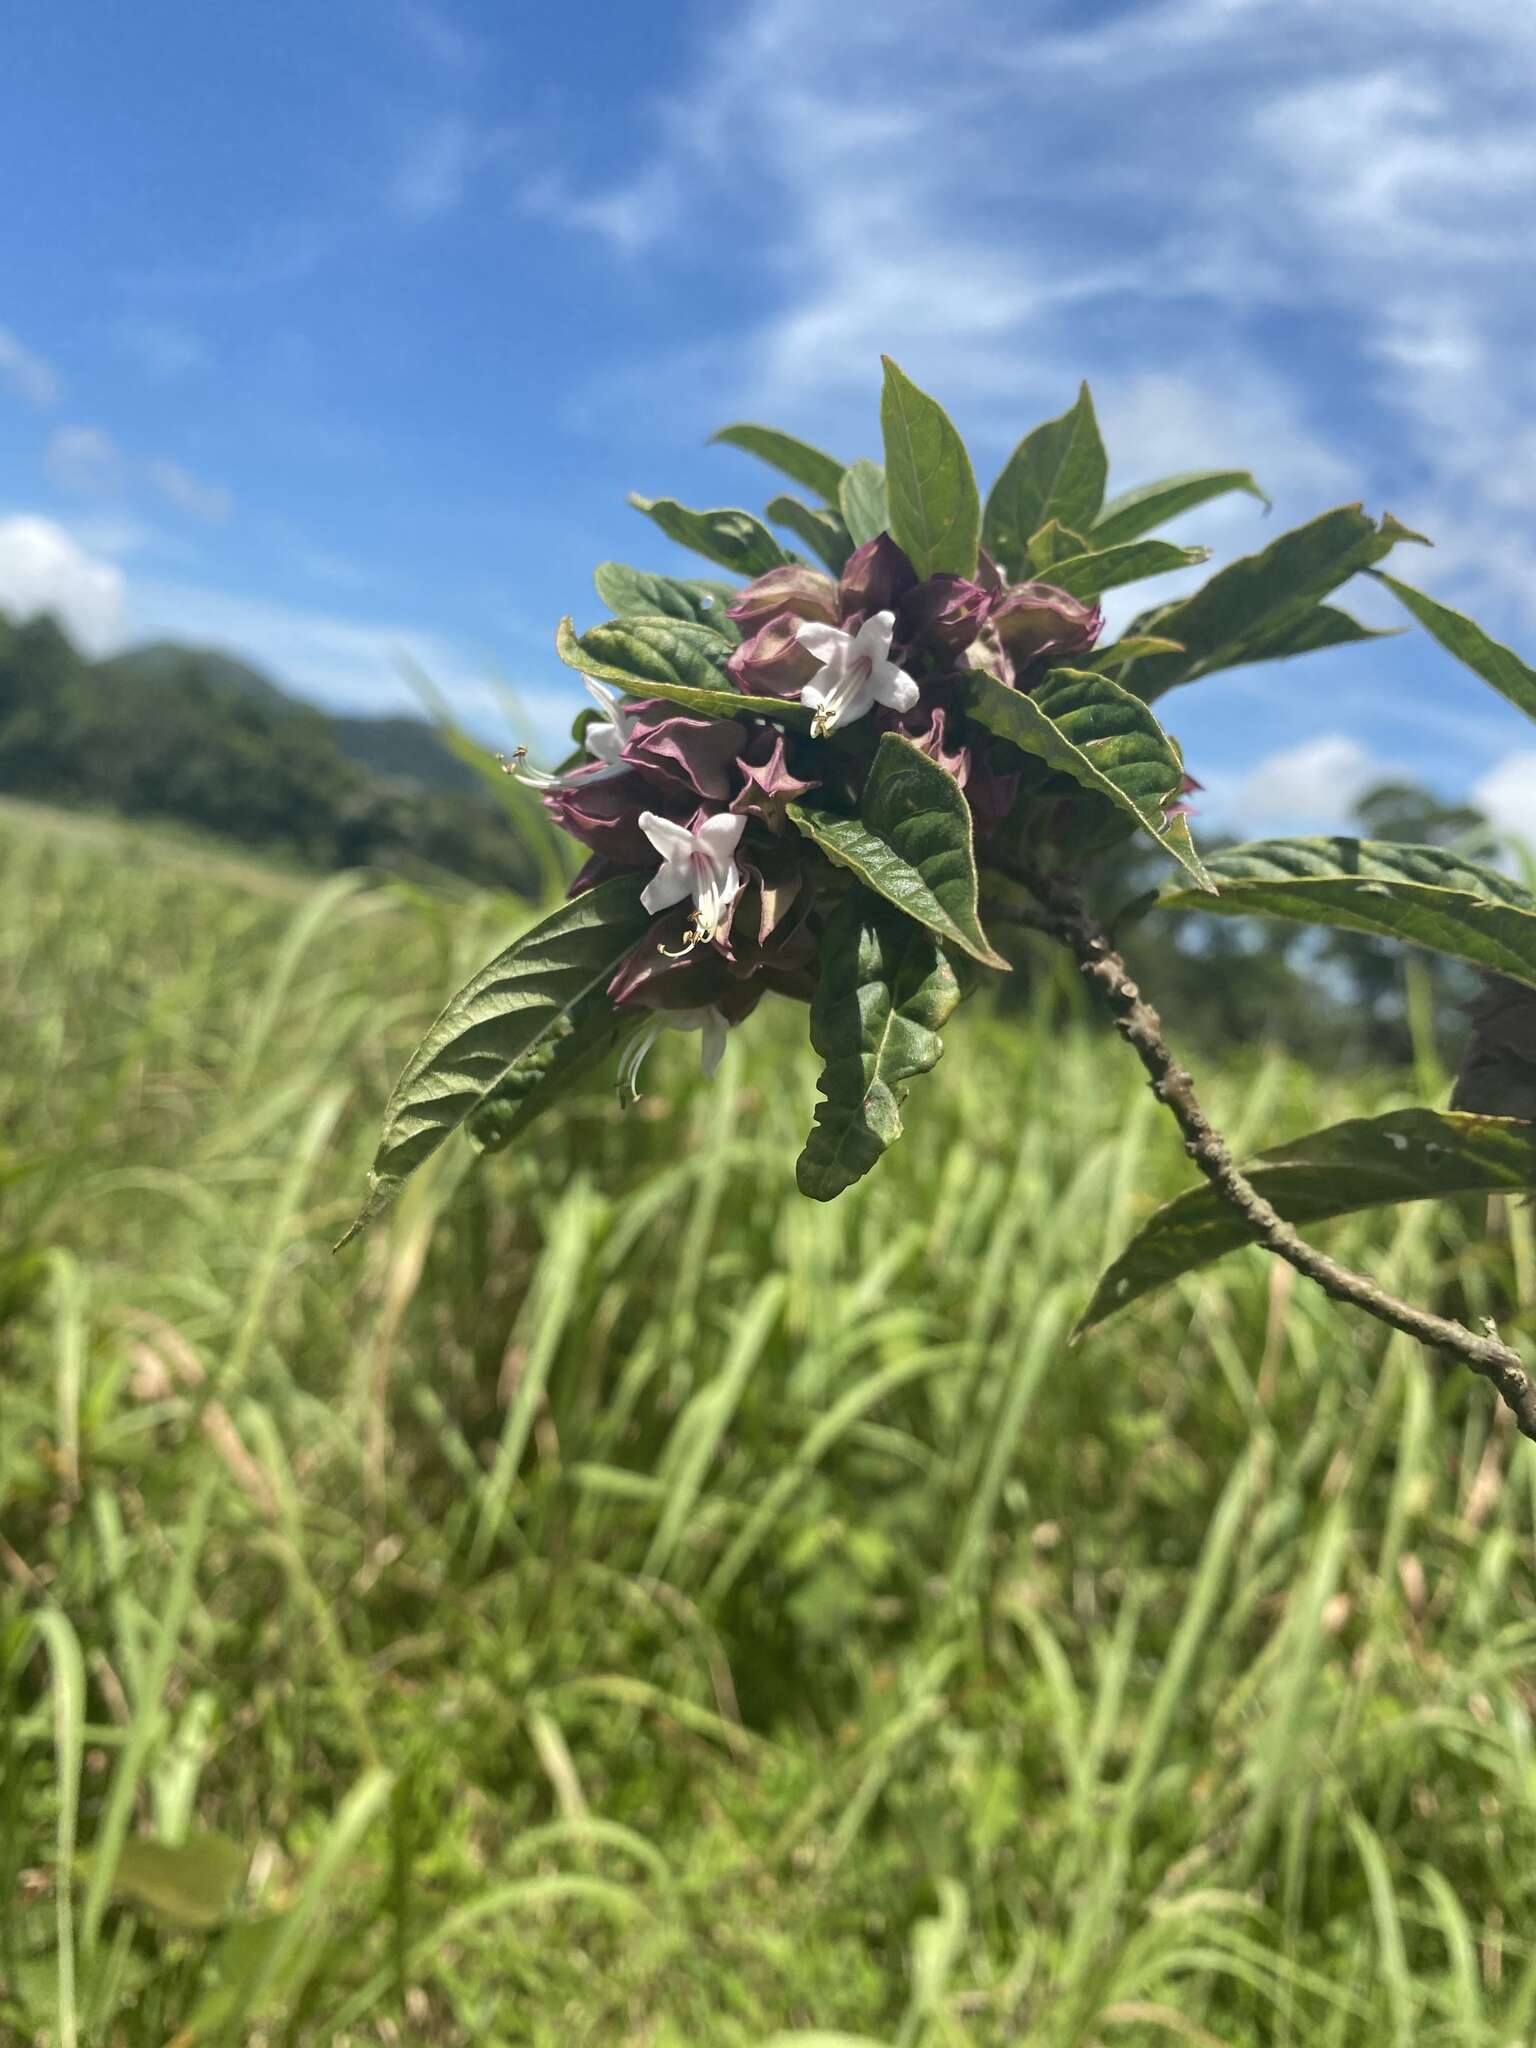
{"points": [[331, 332]]}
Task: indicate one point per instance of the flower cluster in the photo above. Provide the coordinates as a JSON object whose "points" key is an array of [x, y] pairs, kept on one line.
{"points": [[698, 803]]}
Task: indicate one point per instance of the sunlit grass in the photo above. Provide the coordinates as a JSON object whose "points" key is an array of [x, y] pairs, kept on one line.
{"points": [[621, 1602]]}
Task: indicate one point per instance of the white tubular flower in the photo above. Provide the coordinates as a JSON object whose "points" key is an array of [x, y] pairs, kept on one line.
{"points": [[712, 1050], [698, 864], [604, 739], [856, 672]]}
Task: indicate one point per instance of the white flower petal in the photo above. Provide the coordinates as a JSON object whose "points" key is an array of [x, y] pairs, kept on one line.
{"points": [[874, 636], [712, 1050], [897, 689], [671, 883], [672, 841], [719, 836], [825, 642]]}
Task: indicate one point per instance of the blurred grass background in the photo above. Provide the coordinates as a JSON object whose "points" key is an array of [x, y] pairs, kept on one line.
{"points": [[623, 1603]]}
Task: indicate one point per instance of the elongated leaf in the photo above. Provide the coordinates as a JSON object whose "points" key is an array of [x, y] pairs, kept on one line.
{"points": [[192, 1883], [571, 1053], [1497, 664], [935, 510], [861, 499], [1130, 647], [1410, 1155], [1249, 603], [911, 843], [1324, 625], [820, 473], [627, 591], [1056, 472], [1088, 575], [505, 1013], [1053, 543], [1422, 895], [734, 539], [885, 991], [1136, 512], [1088, 727], [669, 658], [822, 532]]}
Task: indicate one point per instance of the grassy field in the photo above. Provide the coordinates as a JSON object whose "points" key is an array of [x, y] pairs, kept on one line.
{"points": [[621, 1603]]}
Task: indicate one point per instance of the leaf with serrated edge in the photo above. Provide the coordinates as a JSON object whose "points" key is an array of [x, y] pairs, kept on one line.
{"points": [[628, 591], [736, 539], [911, 843], [798, 459], [822, 532], [1410, 1155], [934, 508], [1109, 568], [1057, 472], [1136, 512], [666, 650], [861, 499], [1498, 665], [498, 1018], [885, 990], [1421, 895], [1088, 727]]}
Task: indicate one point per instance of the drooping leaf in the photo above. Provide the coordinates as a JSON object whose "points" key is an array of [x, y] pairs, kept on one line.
{"points": [[1410, 1155], [1497, 664], [1308, 633], [1136, 512], [885, 990], [1422, 895], [1089, 728], [192, 1883], [1056, 472], [503, 1014], [935, 511], [798, 459], [733, 538], [671, 658], [573, 1051], [1053, 543], [1128, 648], [627, 591], [822, 532], [862, 501], [911, 843], [1130, 561], [1252, 601]]}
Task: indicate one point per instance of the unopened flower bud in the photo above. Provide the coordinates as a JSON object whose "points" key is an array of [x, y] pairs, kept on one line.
{"points": [[795, 590], [875, 578], [945, 613], [773, 663], [1036, 621]]}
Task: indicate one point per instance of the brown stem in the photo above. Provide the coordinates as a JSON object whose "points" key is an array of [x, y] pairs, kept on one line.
{"points": [[1139, 1025]]}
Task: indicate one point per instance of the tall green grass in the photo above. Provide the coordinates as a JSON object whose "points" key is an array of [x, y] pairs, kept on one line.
{"points": [[623, 1603]]}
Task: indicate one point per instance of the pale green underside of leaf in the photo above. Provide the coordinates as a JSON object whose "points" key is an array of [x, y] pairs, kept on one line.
{"points": [[885, 991], [1498, 665], [935, 511], [735, 539], [1421, 895], [862, 501], [500, 1017], [1088, 727], [1408, 1156], [1243, 613], [1109, 568], [670, 658], [1057, 472], [798, 459], [628, 591], [1136, 512], [911, 844], [821, 531], [1110, 660]]}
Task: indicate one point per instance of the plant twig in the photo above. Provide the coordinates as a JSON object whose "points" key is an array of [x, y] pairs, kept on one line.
{"points": [[1139, 1025]]}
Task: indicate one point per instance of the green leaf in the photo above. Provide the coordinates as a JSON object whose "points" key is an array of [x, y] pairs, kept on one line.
{"points": [[506, 1012], [1056, 472], [626, 591], [733, 538], [1130, 647], [1422, 895], [1250, 603], [820, 473], [572, 1052], [885, 990], [1309, 631], [1136, 512], [1088, 727], [1107, 568], [673, 659], [822, 532], [911, 843], [862, 501], [192, 1884], [935, 512], [1410, 1155], [1054, 543], [1497, 664]]}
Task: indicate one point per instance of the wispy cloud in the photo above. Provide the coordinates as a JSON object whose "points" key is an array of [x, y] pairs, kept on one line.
{"points": [[85, 463], [434, 172], [166, 349], [443, 40], [26, 372], [211, 503], [1508, 794]]}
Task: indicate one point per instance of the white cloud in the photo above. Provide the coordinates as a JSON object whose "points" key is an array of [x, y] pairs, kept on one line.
{"points": [[442, 40], [1308, 788], [44, 569], [164, 348], [211, 503], [28, 375], [85, 462], [1508, 794], [432, 178]]}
